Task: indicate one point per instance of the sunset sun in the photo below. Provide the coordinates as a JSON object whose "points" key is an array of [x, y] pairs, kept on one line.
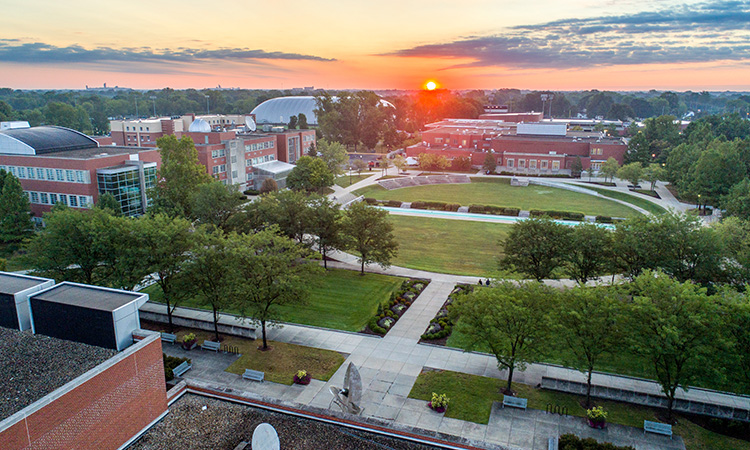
{"points": [[431, 85]]}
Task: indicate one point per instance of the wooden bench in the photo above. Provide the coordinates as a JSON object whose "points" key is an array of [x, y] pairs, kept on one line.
{"points": [[514, 402], [211, 345], [657, 427], [553, 444], [181, 369], [168, 337], [253, 375]]}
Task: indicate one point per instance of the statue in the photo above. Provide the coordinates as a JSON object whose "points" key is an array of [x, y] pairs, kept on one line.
{"points": [[349, 398]]}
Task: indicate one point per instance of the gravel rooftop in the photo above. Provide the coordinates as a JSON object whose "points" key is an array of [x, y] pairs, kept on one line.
{"points": [[223, 425], [32, 366]]}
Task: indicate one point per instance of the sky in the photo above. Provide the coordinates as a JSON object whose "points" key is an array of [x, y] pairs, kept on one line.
{"points": [[353, 44]]}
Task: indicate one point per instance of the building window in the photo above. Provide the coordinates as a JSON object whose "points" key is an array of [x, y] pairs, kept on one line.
{"points": [[79, 176], [511, 163], [69, 176], [59, 175], [53, 198], [45, 198], [596, 165], [521, 163], [271, 144], [215, 170], [555, 165], [83, 201], [50, 174], [21, 172], [234, 159], [30, 171], [74, 201], [63, 199], [222, 168], [234, 174], [532, 164], [13, 170], [438, 140], [34, 197], [544, 164]]}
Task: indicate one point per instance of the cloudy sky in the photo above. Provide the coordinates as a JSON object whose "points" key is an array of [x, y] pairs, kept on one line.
{"points": [[462, 44]]}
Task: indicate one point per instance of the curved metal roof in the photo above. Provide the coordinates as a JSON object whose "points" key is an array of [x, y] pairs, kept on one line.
{"points": [[278, 110], [50, 139]]}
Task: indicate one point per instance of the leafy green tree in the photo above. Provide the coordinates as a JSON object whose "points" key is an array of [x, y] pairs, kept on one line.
{"points": [[268, 185], [216, 204], [680, 162], [161, 248], [15, 214], [292, 125], [334, 155], [653, 173], [290, 210], [302, 121], [400, 163], [511, 321], [734, 234], [674, 326], [212, 270], [359, 165], [589, 252], [609, 169], [310, 174], [718, 169], [587, 322], [368, 232], [325, 226], [535, 247], [490, 163], [108, 202], [179, 176], [384, 164], [736, 308], [632, 172], [272, 271], [660, 133], [576, 168]]}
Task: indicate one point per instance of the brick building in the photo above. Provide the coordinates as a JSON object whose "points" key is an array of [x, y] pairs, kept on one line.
{"points": [[56, 164]]}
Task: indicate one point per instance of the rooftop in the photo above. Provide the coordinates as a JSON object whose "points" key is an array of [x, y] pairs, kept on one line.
{"points": [[98, 152], [11, 283], [49, 139], [90, 297], [35, 365]]}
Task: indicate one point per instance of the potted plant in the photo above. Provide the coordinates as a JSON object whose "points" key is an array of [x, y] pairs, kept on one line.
{"points": [[189, 341], [597, 417], [439, 403], [302, 377]]}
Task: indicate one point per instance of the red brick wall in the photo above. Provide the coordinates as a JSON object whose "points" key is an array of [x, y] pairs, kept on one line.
{"points": [[102, 413]]}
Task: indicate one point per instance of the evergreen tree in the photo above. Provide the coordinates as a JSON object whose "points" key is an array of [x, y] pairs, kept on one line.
{"points": [[15, 215]]}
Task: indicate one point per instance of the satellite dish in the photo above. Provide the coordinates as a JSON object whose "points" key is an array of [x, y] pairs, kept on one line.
{"points": [[265, 438], [250, 124]]}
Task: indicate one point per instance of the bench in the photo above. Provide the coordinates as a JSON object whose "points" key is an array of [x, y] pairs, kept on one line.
{"points": [[210, 345], [253, 375], [553, 444], [514, 402], [168, 337], [182, 368], [657, 427]]}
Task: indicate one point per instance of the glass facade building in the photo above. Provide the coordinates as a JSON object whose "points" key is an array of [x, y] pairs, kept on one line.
{"points": [[129, 184]]}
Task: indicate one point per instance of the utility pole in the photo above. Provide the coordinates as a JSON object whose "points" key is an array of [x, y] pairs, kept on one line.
{"points": [[207, 97], [153, 100]]}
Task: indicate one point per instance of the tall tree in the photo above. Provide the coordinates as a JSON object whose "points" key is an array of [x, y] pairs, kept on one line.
{"points": [[292, 125], [179, 176], [108, 202], [15, 214], [325, 226], [632, 172], [535, 247], [302, 121], [290, 210], [368, 232], [490, 163], [587, 322], [511, 321], [334, 155], [653, 173], [215, 204], [310, 174], [589, 252], [400, 163], [674, 326], [718, 169], [273, 271], [609, 169]]}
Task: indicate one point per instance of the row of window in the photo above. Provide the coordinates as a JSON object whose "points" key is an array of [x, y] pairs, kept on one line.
{"points": [[128, 129], [308, 137], [146, 138], [544, 164], [260, 159], [217, 153], [259, 146], [47, 198], [597, 151], [220, 169], [38, 173]]}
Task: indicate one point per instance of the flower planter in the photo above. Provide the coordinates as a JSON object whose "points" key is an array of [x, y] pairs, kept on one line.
{"points": [[598, 424], [303, 381], [189, 345], [438, 409]]}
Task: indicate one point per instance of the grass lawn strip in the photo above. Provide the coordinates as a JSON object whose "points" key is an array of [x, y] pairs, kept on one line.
{"points": [[280, 363], [651, 207], [471, 398], [343, 180], [499, 192], [342, 300], [448, 246]]}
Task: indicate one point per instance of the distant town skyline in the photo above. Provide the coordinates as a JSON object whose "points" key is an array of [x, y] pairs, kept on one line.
{"points": [[473, 44]]}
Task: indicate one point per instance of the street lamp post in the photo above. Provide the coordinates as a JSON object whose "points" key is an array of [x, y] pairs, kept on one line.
{"points": [[207, 97], [153, 100]]}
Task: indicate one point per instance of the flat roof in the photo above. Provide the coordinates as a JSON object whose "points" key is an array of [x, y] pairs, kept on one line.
{"points": [[35, 365], [51, 139], [91, 297], [11, 283]]}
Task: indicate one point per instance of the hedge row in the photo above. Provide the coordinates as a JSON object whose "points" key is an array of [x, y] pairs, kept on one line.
{"points": [[496, 210], [564, 215], [437, 206], [391, 203], [573, 442]]}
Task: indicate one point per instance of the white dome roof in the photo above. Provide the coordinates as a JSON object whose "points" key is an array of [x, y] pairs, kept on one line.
{"points": [[279, 109], [199, 126]]}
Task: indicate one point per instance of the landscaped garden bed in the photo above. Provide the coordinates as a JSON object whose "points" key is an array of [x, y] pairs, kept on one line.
{"points": [[441, 326], [559, 215], [388, 313], [494, 210]]}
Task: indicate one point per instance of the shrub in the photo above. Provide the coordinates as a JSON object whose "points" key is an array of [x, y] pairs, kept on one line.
{"points": [[190, 337], [394, 203], [417, 205], [452, 207], [251, 192], [439, 402], [596, 414], [170, 362], [559, 215], [573, 442], [370, 201], [604, 219], [269, 185]]}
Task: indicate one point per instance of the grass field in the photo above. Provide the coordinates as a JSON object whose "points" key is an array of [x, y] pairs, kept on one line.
{"points": [[344, 180], [499, 192], [342, 300], [448, 246], [471, 398], [651, 207]]}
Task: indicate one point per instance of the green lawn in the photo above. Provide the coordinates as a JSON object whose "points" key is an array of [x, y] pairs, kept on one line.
{"points": [[471, 398], [344, 180], [342, 300], [460, 247], [499, 192], [651, 207]]}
